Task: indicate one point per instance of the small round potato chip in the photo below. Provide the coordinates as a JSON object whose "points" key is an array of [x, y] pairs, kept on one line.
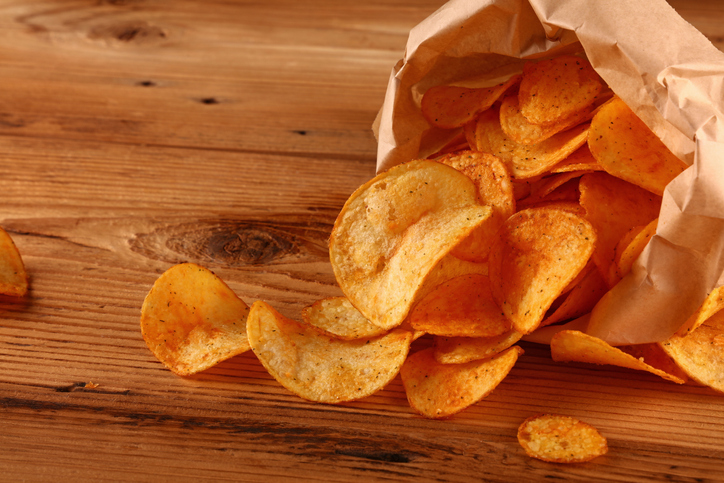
{"points": [[438, 390], [337, 317], [457, 350], [394, 230], [557, 88], [560, 439], [321, 368], [191, 320], [13, 277], [538, 253]]}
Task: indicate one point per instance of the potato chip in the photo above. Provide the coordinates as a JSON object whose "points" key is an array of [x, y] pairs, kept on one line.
{"points": [[538, 252], [393, 231], [575, 346], [712, 304], [449, 107], [580, 160], [557, 88], [321, 368], [523, 160], [463, 306], [700, 353], [13, 277], [556, 187], [614, 206], [337, 317], [580, 299], [191, 320], [630, 247], [560, 439], [626, 148], [457, 350], [522, 131], [438, 390]]}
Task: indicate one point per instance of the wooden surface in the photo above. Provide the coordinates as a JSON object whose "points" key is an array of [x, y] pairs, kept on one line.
{"points": [[137, 134]]}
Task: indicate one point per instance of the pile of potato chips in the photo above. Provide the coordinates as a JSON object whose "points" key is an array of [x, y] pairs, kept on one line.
{"points": [[541, 203]]}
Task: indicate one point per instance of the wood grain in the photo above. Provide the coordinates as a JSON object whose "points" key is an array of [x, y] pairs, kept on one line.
{"points": [[137, 134]]}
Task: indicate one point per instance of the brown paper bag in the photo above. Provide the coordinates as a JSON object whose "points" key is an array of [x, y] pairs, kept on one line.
{"points": [[660, 65]]}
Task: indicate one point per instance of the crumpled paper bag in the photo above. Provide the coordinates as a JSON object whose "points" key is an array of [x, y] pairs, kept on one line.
{"points": [[660, 65]]}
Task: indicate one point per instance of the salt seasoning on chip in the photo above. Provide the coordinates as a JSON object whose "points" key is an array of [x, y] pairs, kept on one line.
{"points": [[561, 439]]}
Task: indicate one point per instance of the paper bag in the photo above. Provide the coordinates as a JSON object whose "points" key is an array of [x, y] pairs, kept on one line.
{"points": [[661, 66]]}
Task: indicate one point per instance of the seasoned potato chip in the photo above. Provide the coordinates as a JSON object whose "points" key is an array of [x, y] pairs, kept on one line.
{"points": [[457, 350], [438, 390], [522, 131], [712, 304], [631, 246], [523, 160], [614, 206], [572, 345], [537, 254], [393, 231], [321, 368], [626, 148], [557, 88], [580, 160], [337, 317], [556, 187], [560, 439], [191, 320], [13, 277], [449, 106], [463, 306], [580, 299]]}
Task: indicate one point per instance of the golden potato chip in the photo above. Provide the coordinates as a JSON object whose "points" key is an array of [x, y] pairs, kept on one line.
{"points": [[560, 439], [463, 306], [438, 390], [538, 252], [580, 299], [556, 187], [557, 88], [449, 107], [575, 346], [13, 277], [522, 131], [321, 368], [191, 320], [457, 350], [626, 148], [579, 160], [526, 160], [614, 206], [712, 304], [631, 245], [337, 317], [393, 231]]}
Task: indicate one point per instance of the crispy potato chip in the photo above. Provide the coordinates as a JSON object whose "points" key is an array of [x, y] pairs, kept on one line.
{"points": [[712, 304], [321, 368], [581, 299], [560, 439], [522, 131], [631, 246], [626, 148], [13, 277], [463, 306], [575, 346], [523, 160], [556, 187], [457, 350], [557, 88], [191, 320], [337, 317], [393, 231], [537, 254], [438, 390], [449, 107], [614, 206], [580, 160]]}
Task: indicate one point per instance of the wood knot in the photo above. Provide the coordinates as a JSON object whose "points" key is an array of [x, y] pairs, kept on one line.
{"points": [[136, 32], [250, 245]]}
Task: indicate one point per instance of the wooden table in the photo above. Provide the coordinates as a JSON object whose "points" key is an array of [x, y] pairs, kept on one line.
{"points": [[136, 134]]}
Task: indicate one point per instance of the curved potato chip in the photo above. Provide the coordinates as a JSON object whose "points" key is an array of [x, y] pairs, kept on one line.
{"points": [[560, 439], [557, 88], [522, 131], [523, 160], [394, 230], [457, 350], [539, 251], [191, 320], [13, 277], [579, 160], [337, 317], [575, 346], [321, 368], [449, 107], [438, 390], [581, 299], [556, 187], [712, 304], [630, 247], [463, 306], [626, 148]]}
